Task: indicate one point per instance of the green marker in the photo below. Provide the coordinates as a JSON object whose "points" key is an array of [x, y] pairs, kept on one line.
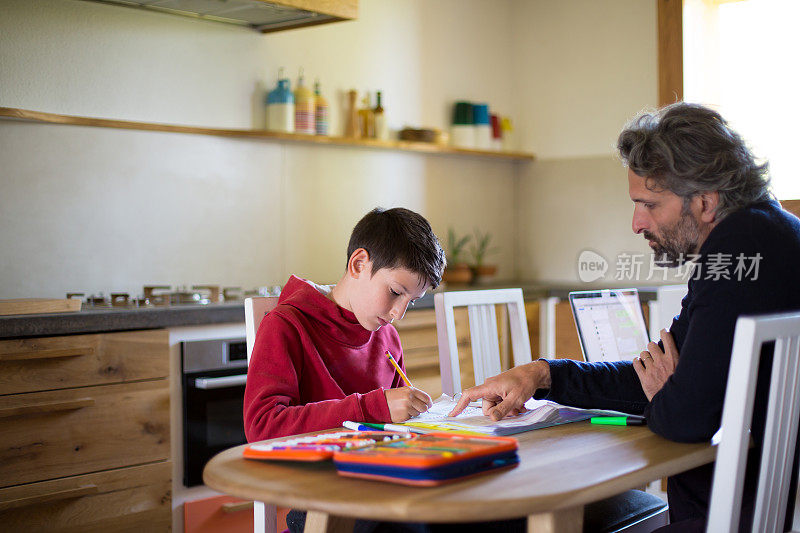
{"points": [[618, 420]]}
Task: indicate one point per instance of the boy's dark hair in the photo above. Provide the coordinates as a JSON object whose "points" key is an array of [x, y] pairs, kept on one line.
{"points": [[399, 238]]}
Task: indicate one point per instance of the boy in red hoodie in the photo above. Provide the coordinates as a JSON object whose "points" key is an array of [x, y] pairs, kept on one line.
{"points": [[319, 356]]}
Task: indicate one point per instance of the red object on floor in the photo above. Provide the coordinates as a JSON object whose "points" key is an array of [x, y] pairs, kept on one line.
{"points": [[223, 514]]}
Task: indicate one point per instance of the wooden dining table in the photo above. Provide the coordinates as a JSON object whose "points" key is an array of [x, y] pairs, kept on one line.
{"points": [[561, 469]]}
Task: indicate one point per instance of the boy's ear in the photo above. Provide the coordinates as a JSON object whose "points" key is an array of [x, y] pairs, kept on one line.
{"points": [[359, 263]]}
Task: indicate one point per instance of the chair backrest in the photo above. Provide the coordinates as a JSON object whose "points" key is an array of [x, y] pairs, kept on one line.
{"points": [[666, 305], [483, 333], [780, 432], [254, 310]]}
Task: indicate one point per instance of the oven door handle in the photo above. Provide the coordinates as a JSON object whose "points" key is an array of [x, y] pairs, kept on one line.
{"points": [[220, 383]]}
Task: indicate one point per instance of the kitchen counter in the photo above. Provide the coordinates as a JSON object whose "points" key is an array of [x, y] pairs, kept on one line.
{"points": [[95, 320], [104, 319]]}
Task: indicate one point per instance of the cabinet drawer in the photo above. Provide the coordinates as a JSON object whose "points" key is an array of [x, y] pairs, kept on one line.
{"points": [[45, 435], [126, 499], [48, 363]]}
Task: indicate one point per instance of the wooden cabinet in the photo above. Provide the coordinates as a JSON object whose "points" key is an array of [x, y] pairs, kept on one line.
{"points": [[134, 499], [49, 363], [84, 433]]}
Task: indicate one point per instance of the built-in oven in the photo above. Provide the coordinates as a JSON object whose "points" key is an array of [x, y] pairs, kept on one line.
{"points": [[214, 375]]}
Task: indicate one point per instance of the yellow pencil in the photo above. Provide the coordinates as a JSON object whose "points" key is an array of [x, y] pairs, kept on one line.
{"points": [[399, 370]]}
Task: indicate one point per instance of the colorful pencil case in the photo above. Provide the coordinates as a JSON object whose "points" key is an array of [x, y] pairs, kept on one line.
{"points": [[428, 460], [320, 447]]}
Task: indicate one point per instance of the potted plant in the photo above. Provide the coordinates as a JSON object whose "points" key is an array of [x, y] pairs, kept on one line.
{"points": [[479, 250], [457, 271]]}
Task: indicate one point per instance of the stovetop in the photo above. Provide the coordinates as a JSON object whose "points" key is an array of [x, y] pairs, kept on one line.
{"points": [[156, 296]]}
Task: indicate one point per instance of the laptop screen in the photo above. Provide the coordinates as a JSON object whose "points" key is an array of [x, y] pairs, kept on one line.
{"points": [[610, 324]]}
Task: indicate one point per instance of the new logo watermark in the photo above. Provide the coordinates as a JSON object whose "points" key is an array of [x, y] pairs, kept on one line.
{"points": [[642, 267], [591, 266]]}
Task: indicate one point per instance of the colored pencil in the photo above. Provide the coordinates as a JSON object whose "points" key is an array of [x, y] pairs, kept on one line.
{"points": [[399, 370]]}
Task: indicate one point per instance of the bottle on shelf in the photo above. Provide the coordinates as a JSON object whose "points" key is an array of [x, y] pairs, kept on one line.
{"points": [[351, 126], [366, 119], [379, 118], [304, 103], [280, 106], [320, 111]]}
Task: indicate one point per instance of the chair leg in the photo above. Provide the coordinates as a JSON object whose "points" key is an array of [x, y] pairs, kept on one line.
{"points": [[265, 518]]}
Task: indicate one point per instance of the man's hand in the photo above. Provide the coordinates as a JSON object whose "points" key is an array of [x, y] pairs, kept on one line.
{"points": [[654, 367], [406, 402], [507, 393]]}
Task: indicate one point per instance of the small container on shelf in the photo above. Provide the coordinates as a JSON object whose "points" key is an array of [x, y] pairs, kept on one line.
{"points": [[379, 117], [304, 108], [483, 128], [509, 141], [366, 119], [497, 133], [351, 129], [462, 131], [320, 111], [280, 107]]}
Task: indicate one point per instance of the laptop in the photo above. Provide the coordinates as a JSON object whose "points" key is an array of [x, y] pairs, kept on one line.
{"points": [[610, 324]]}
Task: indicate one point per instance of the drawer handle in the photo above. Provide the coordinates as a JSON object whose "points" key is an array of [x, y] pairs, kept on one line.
{"points": [[46, 354], [220, 383], [77, 492], [46, 407], [235, 507]]}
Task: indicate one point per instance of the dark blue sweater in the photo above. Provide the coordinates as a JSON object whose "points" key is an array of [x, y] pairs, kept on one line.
{"points": [[689, 406]]}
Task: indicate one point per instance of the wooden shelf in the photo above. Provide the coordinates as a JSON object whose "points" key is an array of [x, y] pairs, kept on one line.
{"points": [[402, 146]]}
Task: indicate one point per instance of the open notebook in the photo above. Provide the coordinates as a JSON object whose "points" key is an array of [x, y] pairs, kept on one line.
{"points": [[540, 414]]}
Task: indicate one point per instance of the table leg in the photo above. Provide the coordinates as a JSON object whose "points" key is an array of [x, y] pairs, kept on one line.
{"points": [[563, 521], [317, 522]]}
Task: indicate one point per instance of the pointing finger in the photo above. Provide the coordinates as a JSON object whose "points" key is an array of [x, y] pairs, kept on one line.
{"points": [[467, 396]]}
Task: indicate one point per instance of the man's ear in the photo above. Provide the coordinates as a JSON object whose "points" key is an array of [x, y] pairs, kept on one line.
{"points": [[708, 206], [359, 263]]}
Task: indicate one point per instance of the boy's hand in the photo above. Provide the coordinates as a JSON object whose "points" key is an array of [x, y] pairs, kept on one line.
{"points": [[406, 402]]}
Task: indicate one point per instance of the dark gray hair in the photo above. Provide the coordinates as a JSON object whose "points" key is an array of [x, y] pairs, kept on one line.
{"points": [[689, 149]]}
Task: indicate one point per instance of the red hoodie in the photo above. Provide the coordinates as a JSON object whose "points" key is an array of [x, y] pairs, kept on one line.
{"points": [[313, 367]]}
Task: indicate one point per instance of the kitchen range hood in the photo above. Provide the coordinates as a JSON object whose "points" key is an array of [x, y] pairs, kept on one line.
{"points": [[260, 15]]}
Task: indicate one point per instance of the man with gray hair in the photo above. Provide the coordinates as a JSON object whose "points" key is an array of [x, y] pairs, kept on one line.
{"points": [[699, 195]]}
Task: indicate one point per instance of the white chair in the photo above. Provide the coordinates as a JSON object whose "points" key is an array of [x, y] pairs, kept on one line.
{"points": [[666, 305], [483, 333], [265, 515], [780, 432]]}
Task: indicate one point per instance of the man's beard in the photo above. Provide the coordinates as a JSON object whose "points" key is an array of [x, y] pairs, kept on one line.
{"points": [[676, 243]]}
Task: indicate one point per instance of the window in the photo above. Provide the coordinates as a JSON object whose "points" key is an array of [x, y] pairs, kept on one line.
{"points": [[740, 57]]}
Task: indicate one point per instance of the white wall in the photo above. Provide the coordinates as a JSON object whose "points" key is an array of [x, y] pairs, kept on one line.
{"points": [[107, 210], [582, 69]]}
